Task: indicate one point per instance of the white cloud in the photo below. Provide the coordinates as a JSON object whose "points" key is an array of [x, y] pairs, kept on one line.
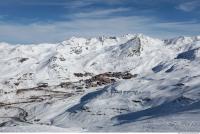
{"points": [[62, 3], [100, 13], [189, 6], [59, 31]]}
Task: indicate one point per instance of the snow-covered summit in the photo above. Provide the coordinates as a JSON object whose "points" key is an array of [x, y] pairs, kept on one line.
{"points": [[95, 55]]}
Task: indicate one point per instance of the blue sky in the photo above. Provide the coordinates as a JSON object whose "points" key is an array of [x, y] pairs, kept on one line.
{"points": [[35, 21]]}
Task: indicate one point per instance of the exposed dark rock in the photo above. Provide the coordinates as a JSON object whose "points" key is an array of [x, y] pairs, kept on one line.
{"points": [[23, 59], [113, 38], [42, 84], [127, 76], [80, 91], [26, 76], [16, 84], [36, 120], [65, 84], [136, 101], [82, 74], [79, 87], [179, 84], [62, 59], [76, 50], [78, 74]]}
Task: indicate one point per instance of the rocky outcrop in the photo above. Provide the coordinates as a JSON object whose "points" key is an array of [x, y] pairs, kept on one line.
{"points": [[83, 74], [23, 59]]}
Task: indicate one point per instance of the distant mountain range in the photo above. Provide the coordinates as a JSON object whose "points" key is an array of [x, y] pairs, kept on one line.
{"points": [[128, 83]]}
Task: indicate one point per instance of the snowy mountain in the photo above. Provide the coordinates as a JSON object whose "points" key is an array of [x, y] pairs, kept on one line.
{"points": [[128, 83]]}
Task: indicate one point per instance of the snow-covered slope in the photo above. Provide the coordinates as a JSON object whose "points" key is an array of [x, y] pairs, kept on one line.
{"points": [[128, 83]]}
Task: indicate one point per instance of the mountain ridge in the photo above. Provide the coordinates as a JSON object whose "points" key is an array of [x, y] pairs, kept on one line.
{"points": [[96, 84]]}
